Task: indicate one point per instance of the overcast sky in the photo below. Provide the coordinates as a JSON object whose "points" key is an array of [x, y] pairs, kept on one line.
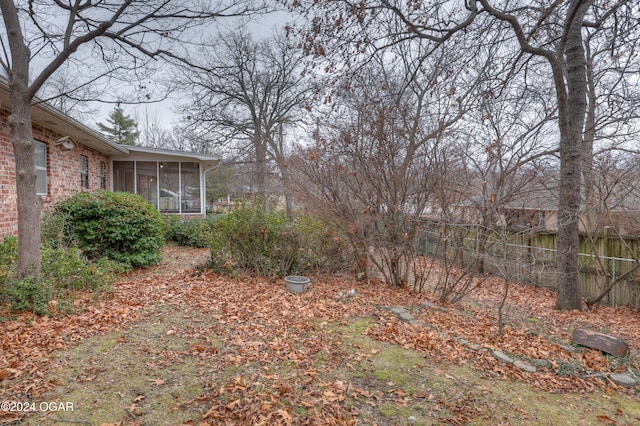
{"points": [[162, 111]]}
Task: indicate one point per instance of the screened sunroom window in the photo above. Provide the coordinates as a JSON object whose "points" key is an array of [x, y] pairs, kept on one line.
{"points": [[170, 186], [123, 176], [147, 181], [190, 187]]}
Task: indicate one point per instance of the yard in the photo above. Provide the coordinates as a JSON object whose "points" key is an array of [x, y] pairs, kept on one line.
{"points": [[179, 345]]}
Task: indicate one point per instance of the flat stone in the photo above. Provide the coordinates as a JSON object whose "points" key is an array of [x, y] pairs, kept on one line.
{"points": [[501, 356], [567, 348], [398, 311], [406, 316], [475, 347], [417, 323], [430, 305], [603, 342], [525, 366], [623, 380]]}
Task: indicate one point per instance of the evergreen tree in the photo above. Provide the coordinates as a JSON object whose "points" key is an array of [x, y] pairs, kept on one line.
{"points": [[121, 128]]}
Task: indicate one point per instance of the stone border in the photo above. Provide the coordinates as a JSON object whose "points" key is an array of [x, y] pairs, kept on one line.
{"points": [[404, 315]]}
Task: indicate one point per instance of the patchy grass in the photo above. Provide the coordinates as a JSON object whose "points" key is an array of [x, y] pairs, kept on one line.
{"points": [[159, 372], [174, 348], [144, 372]]}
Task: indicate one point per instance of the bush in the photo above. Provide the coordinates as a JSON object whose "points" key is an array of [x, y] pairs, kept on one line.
{"points": [[8, 257], [68, 269], [64, 270], [252, 238], [323, 248], [118, 225], [266, 243], [196, 232], [29, 295]]}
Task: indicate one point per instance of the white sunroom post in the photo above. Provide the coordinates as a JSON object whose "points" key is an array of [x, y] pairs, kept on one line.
{"points": [[135, 177], [179, 187], [203, 189], [158, 185]]}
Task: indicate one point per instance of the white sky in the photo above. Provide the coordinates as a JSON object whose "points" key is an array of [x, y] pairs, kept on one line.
{"points": [[162, 111]]}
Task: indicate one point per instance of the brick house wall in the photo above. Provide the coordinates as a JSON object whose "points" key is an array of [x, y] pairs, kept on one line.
{"points": [[63, 172]]}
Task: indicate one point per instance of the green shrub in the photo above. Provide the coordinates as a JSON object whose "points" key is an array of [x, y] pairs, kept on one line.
{"points": [[68, 269], [57, 230], [323, 248], [170, 223], [252, 239], [118, 225], [8, 257], [267, 244], [64, 270], [29, 295], [195, 232]]}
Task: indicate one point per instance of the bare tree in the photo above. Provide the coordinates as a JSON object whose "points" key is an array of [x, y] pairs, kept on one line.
{"points": [[504, 140], [153, 132], [371, 172], [613, 98], [550, 32], [121, 39], [250, 94]]}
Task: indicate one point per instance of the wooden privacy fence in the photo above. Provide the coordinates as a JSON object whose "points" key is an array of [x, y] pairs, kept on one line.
{"points": [[532, 258]]}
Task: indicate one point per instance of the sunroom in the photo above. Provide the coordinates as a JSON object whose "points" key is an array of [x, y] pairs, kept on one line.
{"points": [[171, 181]]}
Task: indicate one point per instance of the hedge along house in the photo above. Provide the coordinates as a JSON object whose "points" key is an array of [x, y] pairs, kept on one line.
{"points": [[71, 157]]}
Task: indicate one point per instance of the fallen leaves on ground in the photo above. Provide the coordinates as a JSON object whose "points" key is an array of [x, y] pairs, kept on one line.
{"points": [[263, 324]]}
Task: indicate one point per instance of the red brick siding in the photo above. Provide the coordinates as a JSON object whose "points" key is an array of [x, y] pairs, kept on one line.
{"points": [[63, 172]]}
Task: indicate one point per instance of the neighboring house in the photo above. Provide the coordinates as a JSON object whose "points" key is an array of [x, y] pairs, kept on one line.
{"points": [[537, 210], [71, 157]]}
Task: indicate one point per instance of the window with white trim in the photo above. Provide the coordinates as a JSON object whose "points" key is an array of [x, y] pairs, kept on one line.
{"points": [[103, 175], [40, 156], [84, 172]]}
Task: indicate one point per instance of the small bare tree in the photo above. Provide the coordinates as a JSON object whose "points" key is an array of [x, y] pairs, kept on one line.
{"points": [[501, 147], [371, 170]]}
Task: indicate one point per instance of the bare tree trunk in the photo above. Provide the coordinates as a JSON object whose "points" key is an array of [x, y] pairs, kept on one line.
{"points": [[261, 167], [587, 144], [19, 121], [29, 204], [572, 105]]}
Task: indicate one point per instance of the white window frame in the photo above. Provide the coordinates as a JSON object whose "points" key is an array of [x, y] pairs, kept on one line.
{"points": [[84, 172], [103, 175], [41, 168]]}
